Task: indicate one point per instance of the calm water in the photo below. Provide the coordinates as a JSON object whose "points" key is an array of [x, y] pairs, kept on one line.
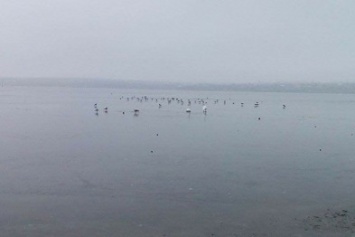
{"points": [[66, 171]]}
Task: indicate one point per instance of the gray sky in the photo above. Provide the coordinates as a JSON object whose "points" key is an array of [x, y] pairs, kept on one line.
{"points": [[222, 41]]}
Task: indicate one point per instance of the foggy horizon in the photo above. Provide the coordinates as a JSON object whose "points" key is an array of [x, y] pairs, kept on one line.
{"points": [[179, 41]]}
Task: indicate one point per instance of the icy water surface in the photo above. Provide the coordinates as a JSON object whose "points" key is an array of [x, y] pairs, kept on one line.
{"points": [[67, 170]]}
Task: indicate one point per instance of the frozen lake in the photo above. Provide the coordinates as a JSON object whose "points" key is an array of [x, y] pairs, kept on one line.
{"points": [[67, 171]]}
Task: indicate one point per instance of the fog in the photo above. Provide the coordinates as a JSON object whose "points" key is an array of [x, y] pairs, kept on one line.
{"points": [[226, 41]]}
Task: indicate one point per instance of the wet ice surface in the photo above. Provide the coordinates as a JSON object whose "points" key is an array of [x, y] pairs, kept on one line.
{"points": [[66, 171]]}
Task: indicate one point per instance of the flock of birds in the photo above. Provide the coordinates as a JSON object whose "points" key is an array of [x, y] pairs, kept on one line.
{"points": [[169, 100]]}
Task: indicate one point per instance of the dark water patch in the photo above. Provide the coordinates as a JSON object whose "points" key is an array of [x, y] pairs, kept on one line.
{"points": [[331, 221]]}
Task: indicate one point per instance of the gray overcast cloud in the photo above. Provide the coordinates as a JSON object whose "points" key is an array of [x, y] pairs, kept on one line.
{"points": [[221, 41]]}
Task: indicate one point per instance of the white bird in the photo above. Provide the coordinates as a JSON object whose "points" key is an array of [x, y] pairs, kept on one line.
{"points": [[204, 109], [188, 110]]}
